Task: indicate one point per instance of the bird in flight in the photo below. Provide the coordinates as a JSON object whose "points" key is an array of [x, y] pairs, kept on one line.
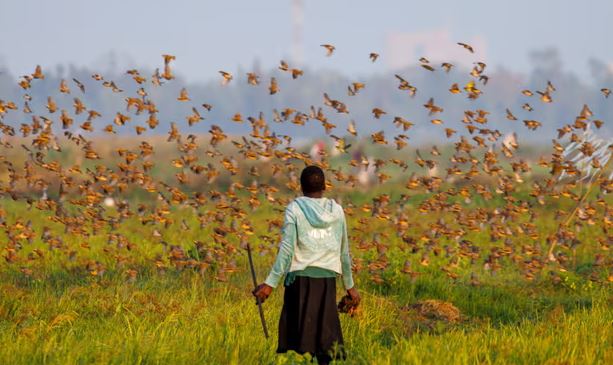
{"points": [[329, 49]]}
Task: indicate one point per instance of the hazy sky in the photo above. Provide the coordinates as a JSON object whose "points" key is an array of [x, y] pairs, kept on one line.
{"points": [[210, 36]]}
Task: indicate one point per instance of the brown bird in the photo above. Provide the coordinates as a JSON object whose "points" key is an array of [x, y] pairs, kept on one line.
{"points": [[284, 66], [252, 78], [194, 118], [80, 85], [532, 124], [466, 46], [378, 112], [329, 48], [296, 72], [274, 87], [427, 67], [167, 74], [432, 108], [357, 86], [51, 105], [38, 73], [545, 96], [351, 128], [510, 115], [64, 87], [227, 77], [402, 123], [183, 95]]}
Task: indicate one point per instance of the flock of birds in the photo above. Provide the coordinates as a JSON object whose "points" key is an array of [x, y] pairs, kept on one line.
{"points": [[443, 228]]}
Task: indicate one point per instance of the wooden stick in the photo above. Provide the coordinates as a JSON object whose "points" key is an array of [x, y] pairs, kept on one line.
{"points": [[255, 285]]}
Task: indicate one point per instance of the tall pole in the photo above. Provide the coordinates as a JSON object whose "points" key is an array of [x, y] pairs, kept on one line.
{"points": [[297, 25]]}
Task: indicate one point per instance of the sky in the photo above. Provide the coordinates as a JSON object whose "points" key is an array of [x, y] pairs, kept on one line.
{"points": [[208, 36]]}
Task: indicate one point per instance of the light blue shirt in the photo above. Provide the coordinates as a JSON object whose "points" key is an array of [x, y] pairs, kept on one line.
{"points": [[314, 234]]}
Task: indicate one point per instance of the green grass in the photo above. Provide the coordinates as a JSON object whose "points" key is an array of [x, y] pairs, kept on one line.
{"points": [[61, 314], [185, 318]]}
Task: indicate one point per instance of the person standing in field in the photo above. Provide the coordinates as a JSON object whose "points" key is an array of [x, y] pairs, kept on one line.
{"points": [[314, 249]]}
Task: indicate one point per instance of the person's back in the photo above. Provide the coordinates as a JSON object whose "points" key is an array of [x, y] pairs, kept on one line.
{"points": [[314, 249], [320, 234]]}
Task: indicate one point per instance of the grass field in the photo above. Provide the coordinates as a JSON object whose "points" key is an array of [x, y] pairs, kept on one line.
{"points": [[187, 319], [61, 312]]}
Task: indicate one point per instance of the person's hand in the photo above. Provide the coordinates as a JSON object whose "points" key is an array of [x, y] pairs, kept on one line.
{"points": [[350, 302], [262, 292], [355, 296]]}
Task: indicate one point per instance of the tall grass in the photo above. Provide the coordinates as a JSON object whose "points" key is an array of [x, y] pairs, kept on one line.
{"points": [[61, 314], [185, 318]]}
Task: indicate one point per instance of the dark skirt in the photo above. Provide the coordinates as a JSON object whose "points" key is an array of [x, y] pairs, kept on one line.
{"points": [[309, 319]]}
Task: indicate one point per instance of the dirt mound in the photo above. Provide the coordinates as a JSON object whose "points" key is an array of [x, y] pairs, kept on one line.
{"points": [[430, 315], [437, 310]]}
